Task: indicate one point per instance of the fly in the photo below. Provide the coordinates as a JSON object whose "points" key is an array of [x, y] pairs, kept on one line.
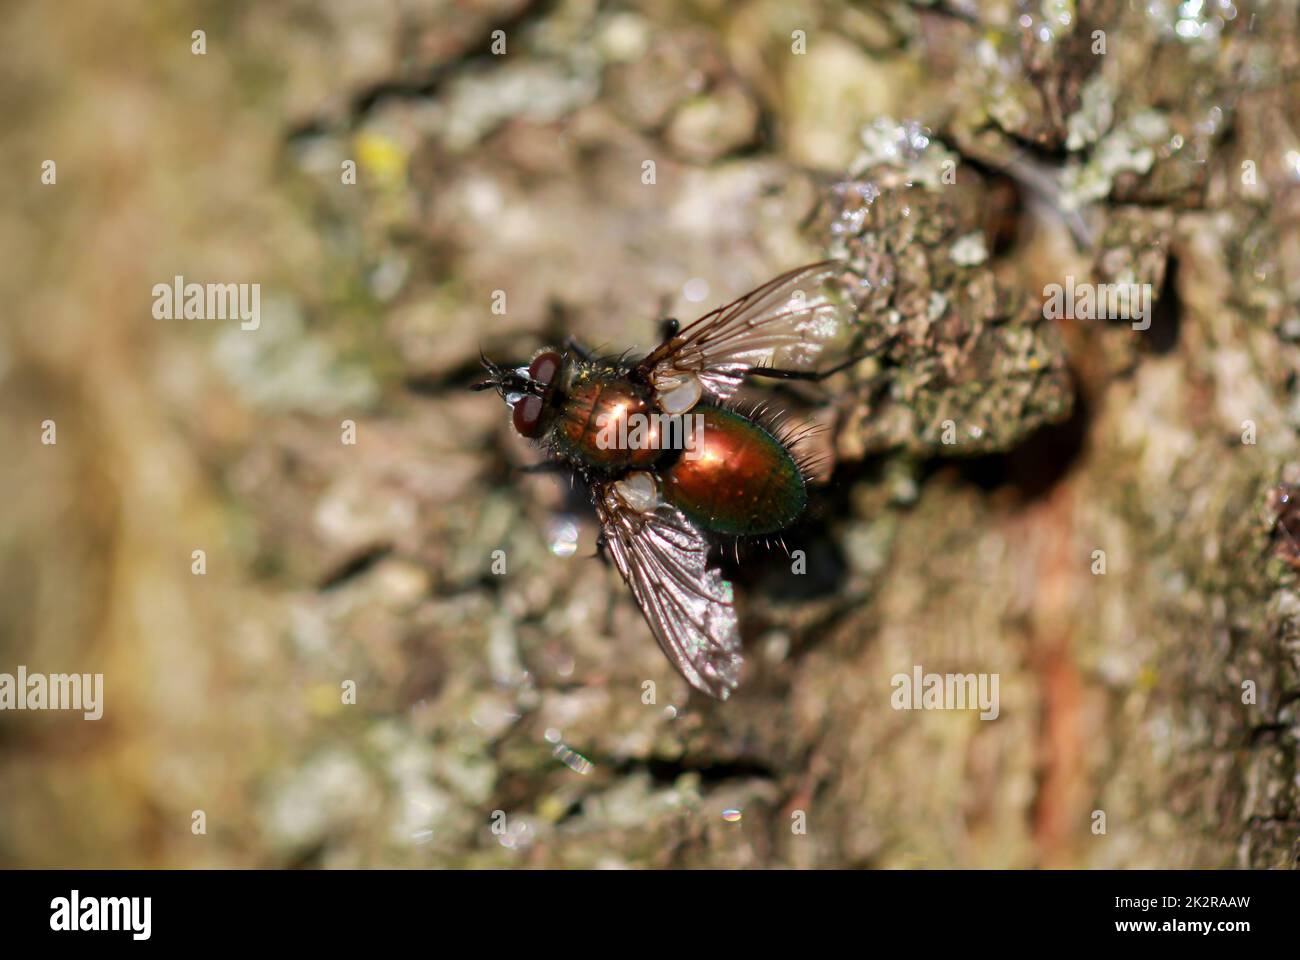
{"points": [[672, 461]]}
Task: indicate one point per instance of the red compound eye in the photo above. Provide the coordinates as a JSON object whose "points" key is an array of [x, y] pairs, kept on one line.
{"points": [[544, 367], [528, 415]]}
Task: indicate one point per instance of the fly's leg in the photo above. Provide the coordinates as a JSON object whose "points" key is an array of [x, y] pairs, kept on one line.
{"points": [[668, 326], [611, 598], [560, 320], [602, 548], [813, 376], [571, 345]]}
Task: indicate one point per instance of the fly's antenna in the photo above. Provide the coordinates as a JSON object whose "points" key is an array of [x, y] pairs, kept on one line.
{"points": [[494, 373], [506, 380]]}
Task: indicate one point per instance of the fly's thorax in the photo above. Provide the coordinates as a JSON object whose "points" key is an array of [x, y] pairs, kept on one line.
{"points": [[741, 481], [608, 422]]}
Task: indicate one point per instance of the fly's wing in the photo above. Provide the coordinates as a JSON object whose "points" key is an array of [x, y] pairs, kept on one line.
{"points": [[784, 324], [689, 606]]}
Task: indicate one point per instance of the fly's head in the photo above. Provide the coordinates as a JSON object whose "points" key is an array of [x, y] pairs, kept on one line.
{"points": [[527, 390]]}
